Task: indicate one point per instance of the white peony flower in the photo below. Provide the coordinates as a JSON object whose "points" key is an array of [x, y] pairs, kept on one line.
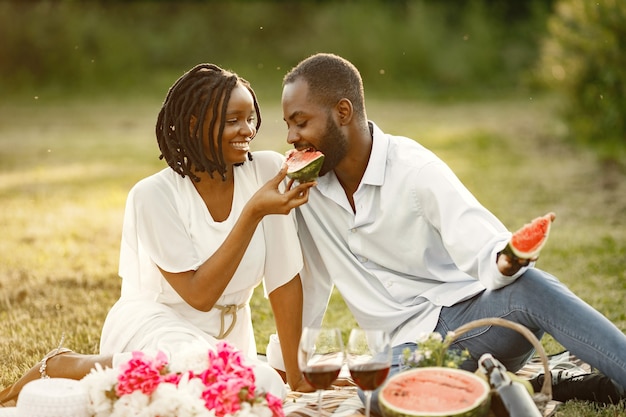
{"points": [[261, 410], [133, 405], [99, 383], [189, 358]]}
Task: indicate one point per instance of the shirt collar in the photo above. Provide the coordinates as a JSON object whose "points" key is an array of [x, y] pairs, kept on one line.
{"points": [[375, 171]]}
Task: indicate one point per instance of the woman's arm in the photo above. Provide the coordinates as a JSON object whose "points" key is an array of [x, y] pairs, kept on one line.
{"points": [[286, 304], [203, 287]]}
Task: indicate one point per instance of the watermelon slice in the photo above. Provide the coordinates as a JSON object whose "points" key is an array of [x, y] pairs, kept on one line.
{"points": [[435, 391], [304, 164], [526, 243]]}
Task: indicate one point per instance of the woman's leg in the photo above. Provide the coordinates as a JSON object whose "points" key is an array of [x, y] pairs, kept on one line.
{"points": [[61, 364]]}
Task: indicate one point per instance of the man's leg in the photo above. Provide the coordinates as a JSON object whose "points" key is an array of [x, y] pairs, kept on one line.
{"points": [[540, 302]]}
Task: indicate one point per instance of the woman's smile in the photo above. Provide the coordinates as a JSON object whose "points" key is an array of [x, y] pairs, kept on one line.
{"points": [[243, 146]]}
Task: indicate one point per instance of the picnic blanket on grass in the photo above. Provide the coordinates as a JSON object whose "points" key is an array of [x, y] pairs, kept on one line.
{"points": [[344, 401]]}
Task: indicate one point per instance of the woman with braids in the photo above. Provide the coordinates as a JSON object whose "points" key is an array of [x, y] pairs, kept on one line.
{"points": [[199, 236]]}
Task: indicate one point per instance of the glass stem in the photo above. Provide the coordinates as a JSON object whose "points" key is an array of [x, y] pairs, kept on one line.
{"points": [[319, 402], [368, 399]]}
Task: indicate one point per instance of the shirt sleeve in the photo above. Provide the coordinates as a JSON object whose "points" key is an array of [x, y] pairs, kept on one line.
{"points": [[154, 227], [317, 285], [471, 234]]}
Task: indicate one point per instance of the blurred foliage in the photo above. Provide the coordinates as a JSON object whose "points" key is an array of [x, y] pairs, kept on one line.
{"points": [[446, 49], [584, 58], [414, 47]]}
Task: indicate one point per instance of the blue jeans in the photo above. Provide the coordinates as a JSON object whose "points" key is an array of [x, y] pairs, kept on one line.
{"points": [[540, 302]]}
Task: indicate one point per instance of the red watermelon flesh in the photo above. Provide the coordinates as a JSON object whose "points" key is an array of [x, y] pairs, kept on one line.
{"points": [[435, 391], [304, 164], [526, 243]]}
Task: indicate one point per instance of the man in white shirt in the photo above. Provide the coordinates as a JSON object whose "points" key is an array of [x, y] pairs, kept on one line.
{"points": [[407, 245]]}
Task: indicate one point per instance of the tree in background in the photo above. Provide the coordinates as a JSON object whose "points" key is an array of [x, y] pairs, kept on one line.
{"points": [[584, 58]]}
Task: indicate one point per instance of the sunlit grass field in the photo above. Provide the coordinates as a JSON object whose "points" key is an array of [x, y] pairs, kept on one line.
{"points": [[66, 167]]}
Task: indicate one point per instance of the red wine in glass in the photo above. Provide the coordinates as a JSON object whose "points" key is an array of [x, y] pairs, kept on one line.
{"points": [[321, 376], [369, 376], [368, 353], [320, 357]]}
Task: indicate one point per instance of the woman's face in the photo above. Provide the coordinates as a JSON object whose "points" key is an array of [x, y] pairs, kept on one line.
{"points": [[239, 127]]}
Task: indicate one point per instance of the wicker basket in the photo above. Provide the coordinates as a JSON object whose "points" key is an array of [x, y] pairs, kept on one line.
{"points": [[541, 398]]}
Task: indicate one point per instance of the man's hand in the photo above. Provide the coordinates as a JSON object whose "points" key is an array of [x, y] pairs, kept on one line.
{"points": [[509, 264]]}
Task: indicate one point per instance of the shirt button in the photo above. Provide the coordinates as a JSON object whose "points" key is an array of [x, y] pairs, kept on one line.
{"points": [[353, 230]]}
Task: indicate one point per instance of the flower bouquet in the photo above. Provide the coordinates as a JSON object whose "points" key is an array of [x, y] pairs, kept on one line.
{"points": [[195, 383]]}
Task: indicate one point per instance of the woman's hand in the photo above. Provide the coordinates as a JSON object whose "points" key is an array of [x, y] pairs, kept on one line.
{"points": [[270, 200], [302, 386]]}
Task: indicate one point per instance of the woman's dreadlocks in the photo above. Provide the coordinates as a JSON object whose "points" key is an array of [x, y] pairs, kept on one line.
{"points": [[203, 87]]}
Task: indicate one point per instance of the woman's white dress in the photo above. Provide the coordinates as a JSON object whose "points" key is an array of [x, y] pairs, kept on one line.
{"points": [[166, 223]]}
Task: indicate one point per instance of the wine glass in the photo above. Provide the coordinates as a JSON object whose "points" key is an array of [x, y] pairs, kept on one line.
{"points": [[368, 354], [320, 357]]}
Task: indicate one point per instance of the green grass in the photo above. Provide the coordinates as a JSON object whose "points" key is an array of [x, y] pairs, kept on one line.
{"points": [[66, 166]]}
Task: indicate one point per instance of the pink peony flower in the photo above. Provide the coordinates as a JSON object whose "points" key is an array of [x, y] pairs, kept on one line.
{"points": [[226, 395], [223, 387], [223, 396], [141, 373], [175, 378], [275, 404]]}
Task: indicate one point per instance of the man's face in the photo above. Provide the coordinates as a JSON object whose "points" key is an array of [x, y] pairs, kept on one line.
{"points": [[311, 125]]}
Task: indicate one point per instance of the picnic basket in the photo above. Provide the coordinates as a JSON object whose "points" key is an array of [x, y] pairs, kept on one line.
{"points": [[544, 396]]}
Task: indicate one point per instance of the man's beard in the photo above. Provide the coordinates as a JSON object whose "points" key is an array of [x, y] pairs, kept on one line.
{"points": [[334, 146]]}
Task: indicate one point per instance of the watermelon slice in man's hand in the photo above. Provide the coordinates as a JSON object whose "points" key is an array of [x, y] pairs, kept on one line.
{"points": [[527, 242]]}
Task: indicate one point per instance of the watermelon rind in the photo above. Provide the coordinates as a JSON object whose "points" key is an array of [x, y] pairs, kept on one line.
{"points": [[478, 406], [304, 165], [533, 235]]}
